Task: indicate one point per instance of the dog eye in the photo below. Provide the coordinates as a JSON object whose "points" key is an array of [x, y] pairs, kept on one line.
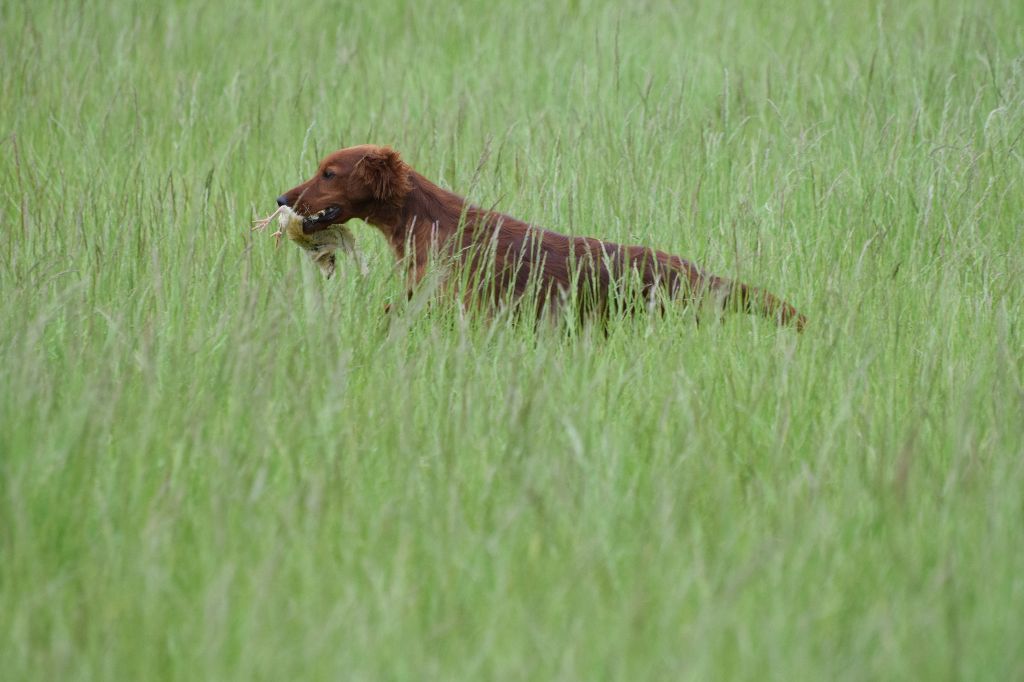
{"points": [[328, 174]]}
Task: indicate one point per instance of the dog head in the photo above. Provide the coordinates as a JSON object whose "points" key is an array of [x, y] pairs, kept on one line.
{"points": [[357, 182]]}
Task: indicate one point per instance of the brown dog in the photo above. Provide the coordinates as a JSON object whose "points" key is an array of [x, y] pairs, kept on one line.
{"points": [[504, 258]]}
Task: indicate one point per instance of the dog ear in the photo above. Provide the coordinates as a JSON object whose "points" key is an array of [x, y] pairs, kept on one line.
{"points": [[385, 174]]}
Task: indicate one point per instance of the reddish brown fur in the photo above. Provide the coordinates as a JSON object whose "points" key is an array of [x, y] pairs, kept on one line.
{"points": [[422, 222]]}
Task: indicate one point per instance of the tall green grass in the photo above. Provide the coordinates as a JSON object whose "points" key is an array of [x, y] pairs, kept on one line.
{"points": [[216, 465]]}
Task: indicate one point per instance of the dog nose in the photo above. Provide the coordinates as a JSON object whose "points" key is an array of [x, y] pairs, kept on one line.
{"points": [[282, 200]]}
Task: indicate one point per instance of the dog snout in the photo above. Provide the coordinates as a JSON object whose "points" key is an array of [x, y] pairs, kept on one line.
{"points": [[282, 200]]}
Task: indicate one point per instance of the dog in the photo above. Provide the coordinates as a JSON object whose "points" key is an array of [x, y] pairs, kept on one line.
{"points": [[506, 261]]}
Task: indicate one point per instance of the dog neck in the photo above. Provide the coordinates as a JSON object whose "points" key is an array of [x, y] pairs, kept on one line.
{"points": [[425, 219]]}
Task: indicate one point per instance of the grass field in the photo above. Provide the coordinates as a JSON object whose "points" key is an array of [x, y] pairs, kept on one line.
{"points": [[216, 465]]}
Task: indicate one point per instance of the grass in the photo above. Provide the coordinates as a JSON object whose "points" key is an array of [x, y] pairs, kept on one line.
{"points": [[216, 465]]}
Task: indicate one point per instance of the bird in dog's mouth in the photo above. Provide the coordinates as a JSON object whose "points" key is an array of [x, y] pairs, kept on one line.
{"points": [[316, 235], [320, 218]]}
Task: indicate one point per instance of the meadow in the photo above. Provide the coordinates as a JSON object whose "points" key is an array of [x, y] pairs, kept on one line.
{"points": [[217, 465]]}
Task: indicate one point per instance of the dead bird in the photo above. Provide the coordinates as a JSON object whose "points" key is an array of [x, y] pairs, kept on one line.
{"points": [[320, 246]]}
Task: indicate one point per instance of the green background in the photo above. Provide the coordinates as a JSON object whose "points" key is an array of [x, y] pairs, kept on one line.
{"points": [[214, 464]]}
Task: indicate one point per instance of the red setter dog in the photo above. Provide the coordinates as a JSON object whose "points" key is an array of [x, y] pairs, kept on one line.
{"points": [[505, 258]]}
